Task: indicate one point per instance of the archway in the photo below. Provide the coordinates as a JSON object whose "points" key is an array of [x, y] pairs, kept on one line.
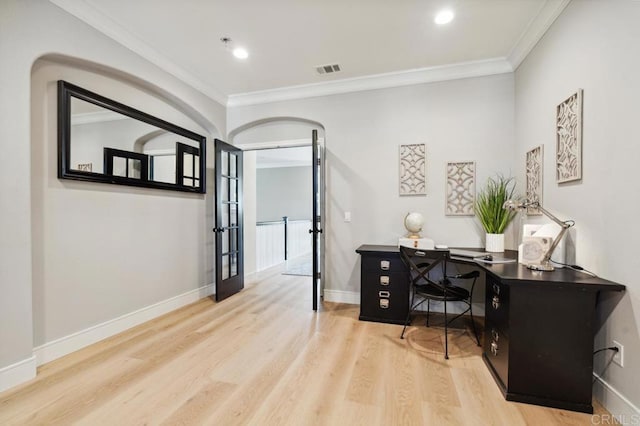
{"points": [[277, 136]]}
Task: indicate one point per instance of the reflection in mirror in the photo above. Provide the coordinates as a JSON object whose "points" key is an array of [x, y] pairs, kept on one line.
{"points": [[105, 141]]}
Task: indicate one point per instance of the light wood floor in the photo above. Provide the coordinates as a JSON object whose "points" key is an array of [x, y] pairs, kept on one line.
{"points": [[263, 357]]}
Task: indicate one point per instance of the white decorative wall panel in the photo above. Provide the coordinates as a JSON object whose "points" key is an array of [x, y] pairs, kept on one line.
{"points": [[534, 164], [569, 139], [299, 239], [269, 245], [413, 159], [270, 242], [461, 188]]}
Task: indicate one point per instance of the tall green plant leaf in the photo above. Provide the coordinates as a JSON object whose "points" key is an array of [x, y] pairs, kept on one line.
{"points": [[489, 202]]}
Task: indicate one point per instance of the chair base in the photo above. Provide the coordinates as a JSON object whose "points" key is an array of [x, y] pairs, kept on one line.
{"points": [[441, 323]]}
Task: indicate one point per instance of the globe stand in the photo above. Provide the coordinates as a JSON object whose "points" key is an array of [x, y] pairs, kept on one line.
{"points": [[413, 222]]}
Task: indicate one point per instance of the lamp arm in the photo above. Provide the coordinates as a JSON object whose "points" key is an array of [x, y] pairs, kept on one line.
{"points": [[563, 225], [556, 241], [537, 205]]}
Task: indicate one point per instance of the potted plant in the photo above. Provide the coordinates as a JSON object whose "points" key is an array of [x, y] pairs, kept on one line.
{"points": [[489, 210]]}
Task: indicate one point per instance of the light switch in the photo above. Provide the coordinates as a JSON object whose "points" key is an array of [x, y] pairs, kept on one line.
{"points": [[347, 216]]}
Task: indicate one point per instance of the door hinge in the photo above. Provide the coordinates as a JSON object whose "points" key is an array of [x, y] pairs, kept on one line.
{"points": [[318, 275]]}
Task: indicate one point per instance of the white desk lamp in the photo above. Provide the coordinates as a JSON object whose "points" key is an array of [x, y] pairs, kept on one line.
{"points": [[545, 264]]}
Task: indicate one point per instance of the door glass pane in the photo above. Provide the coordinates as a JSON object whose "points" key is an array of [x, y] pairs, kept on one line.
{"points": [[187, 163], [196, 165], [187, 182], [225, 241], [225, 267], [233, 161], [234, 214], [119, 166], [225, 214], [224, 159], [234, 239], [233, 190], [234, 265], [135, 168], [225, 189]]}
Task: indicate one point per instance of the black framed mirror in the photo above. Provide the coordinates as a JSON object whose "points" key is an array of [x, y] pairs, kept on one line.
{"points": [[101, 140]]}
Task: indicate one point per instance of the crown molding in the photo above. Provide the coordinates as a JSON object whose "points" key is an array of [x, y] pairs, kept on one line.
{"points": [[536, 29], [101, 22], [377, 81]]}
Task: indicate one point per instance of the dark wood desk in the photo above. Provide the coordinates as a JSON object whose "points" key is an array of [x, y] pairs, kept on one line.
{"points": [[539, 326]]}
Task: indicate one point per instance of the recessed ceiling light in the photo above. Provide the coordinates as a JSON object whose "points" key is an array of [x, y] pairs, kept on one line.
{"points": [[240, 53], [444, 17]]}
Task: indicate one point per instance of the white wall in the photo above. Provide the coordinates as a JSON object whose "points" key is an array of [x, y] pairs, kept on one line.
{"points": [[469, 119], [594, 46], [283, 191], [99, 216], [249, 210], [103, 250]]}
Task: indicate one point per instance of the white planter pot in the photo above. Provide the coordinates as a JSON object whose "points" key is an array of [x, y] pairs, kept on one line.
{"points": [[494, 243]]}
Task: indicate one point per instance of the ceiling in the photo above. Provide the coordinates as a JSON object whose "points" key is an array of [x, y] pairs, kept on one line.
{"points": [[396, 42]]}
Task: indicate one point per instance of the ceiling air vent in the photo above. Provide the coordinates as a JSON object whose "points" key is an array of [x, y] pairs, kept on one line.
{"points": [[327, 69]]}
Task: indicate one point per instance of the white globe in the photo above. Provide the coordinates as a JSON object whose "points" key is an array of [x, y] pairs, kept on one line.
{"points": [[414, 222]]}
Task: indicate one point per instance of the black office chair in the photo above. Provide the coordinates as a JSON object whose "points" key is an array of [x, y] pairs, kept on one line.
{"points": [[421, 263]]}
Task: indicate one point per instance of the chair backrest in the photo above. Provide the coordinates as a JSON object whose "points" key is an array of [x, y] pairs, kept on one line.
{"points": [[421, 262]]}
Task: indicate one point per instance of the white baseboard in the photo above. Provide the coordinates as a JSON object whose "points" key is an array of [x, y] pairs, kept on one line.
{"points": [[341, 296], [71, 343], [14, 374], [617, 404]]}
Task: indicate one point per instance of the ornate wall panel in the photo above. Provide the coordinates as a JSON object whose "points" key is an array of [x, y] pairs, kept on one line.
{"points": [[413, 161], [461, 188], [569, 139], [534, 164]]}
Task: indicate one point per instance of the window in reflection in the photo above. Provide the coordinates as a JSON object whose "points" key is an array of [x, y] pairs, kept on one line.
{"points": [[125, 164], [104, 141]]}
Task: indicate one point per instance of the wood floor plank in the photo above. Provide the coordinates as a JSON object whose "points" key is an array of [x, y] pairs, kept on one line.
{"points": [[263, 357]]}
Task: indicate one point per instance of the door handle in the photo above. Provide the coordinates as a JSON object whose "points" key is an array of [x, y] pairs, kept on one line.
{"points": [[218, 230]]}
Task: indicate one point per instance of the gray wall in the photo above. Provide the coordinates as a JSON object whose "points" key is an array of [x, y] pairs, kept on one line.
{"points": [[594, 46], [283, 191], [470, 119], [66, 246]]}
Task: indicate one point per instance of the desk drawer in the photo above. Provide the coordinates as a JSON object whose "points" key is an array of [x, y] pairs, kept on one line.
{"points": [[391, 263], [496, 349], [391, 281], [497, 304], [384, 304]]}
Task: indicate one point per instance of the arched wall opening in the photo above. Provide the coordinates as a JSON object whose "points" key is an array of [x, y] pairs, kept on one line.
{"points": [[273, 133], [107, 257]]}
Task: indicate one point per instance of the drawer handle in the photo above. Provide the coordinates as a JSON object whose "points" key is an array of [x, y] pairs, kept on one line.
{"points": [[496, 289], [494, 348], [494, 335], [384, 293], [385, 265], [384, 280], [384, 303], [495, 302]]}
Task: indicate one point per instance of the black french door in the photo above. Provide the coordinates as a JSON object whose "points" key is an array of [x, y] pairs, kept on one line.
{"points": [[317, 221], [228, 229]]}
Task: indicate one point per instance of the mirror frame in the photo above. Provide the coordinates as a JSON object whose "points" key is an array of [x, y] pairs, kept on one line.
{"points": [[66, 91]]}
